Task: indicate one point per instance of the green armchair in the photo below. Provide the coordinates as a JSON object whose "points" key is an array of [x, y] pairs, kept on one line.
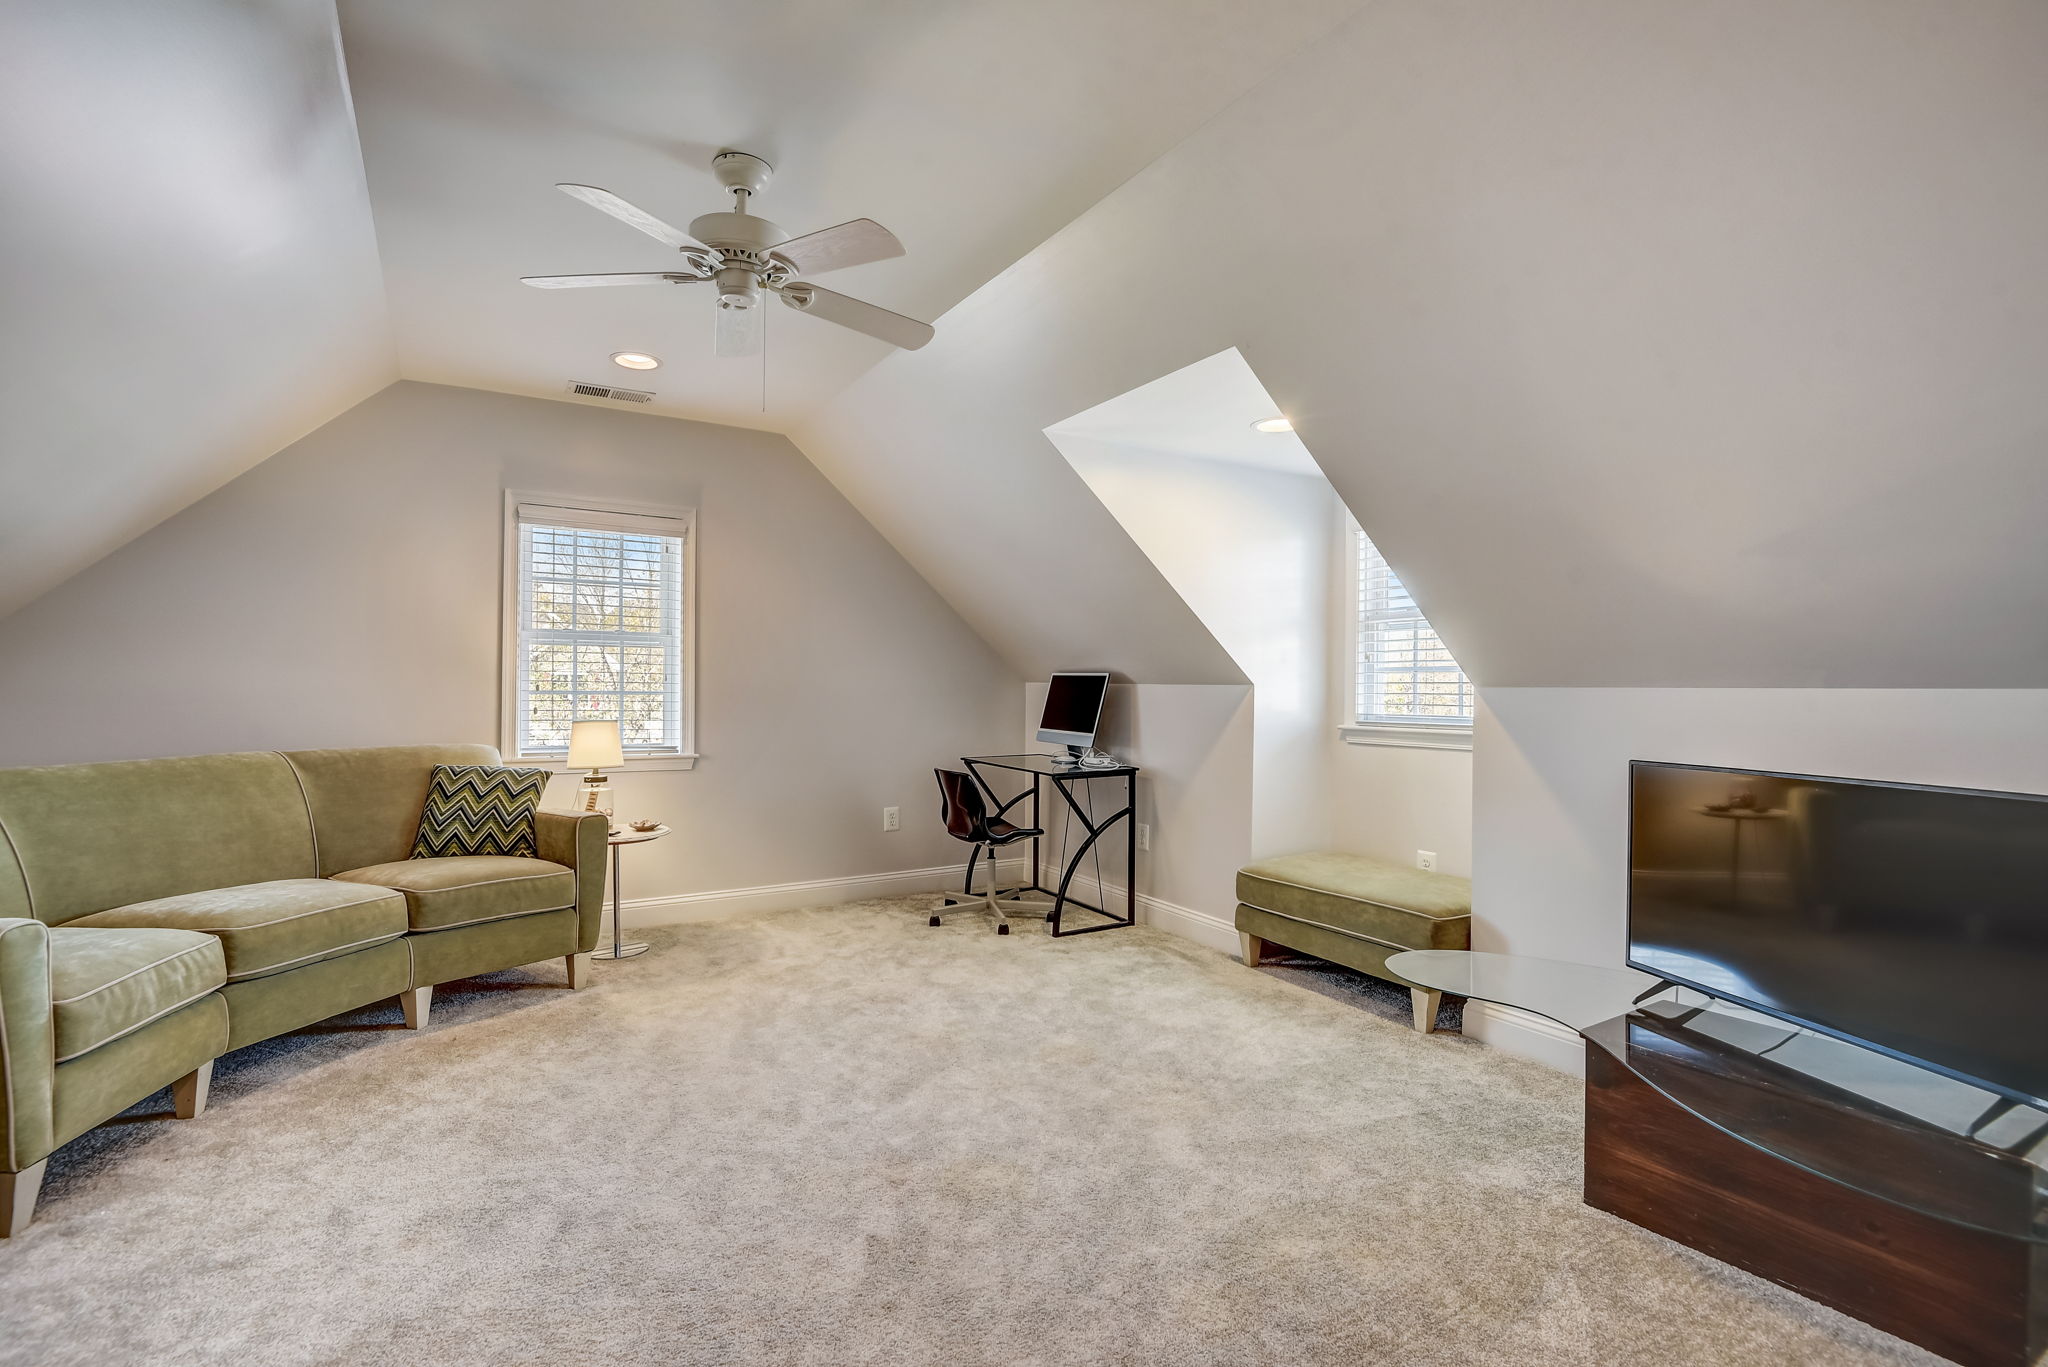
{"points": [[156, 913]]}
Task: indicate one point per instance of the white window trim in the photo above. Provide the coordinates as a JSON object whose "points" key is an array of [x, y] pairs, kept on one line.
{"points": [[1409, 735], [1412, 735], [508, 628]]}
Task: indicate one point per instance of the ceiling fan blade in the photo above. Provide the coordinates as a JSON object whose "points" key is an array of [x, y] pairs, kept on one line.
{"points": [[630, 214], [577, 282], [849, 244], [875, 321], [738, 332]]}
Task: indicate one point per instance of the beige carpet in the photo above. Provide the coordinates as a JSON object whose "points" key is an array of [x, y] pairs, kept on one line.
{"points": [[839, 1137]]}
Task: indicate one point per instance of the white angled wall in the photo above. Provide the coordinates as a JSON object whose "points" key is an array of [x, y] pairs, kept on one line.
{"points": [[188, 265], [1666, 345], [1257, 554], [1249, 550]]}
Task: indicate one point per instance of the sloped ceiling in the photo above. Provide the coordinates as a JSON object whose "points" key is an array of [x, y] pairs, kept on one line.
{"points": [[1654, 344], [973, 131], [191, 277]]}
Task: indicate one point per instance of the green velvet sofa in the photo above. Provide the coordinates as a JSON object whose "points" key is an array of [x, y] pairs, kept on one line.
{"points": [[155, 914]]}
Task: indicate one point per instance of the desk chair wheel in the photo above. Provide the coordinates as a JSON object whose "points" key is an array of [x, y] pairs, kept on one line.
{"points": [[934, 921]]}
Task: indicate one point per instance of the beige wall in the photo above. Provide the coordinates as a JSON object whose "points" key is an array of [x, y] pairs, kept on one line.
{"points": [[1390, 801], [1551, 810], [347, 592]]}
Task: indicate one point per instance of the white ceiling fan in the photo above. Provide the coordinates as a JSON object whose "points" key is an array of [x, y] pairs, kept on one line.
{"points": [[744, 255]]}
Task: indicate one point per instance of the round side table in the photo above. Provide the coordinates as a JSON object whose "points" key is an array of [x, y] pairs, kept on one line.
{"points": [[624, 949]]}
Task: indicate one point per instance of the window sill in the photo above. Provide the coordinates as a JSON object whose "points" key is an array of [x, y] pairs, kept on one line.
{"points": [[1418, 737], [635, 764]]}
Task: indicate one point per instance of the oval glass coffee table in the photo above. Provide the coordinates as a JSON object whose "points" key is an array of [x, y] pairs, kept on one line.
{"points": [[1897, 1194]]}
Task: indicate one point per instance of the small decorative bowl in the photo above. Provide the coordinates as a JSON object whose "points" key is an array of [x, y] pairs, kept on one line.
{"points": [[645, 825]]}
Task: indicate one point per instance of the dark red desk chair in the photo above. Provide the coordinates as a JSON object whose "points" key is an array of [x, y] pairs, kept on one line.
{"points": [[967, 819]]}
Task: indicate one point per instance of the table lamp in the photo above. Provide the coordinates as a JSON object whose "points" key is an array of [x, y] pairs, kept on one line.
{"points": [[595, 745]]}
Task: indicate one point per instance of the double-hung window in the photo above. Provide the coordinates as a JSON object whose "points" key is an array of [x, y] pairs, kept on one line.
{"points": [[599, 629], [1405, 687]]}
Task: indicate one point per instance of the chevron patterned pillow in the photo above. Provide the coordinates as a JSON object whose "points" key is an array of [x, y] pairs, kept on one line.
{"points": [[479, 809]]}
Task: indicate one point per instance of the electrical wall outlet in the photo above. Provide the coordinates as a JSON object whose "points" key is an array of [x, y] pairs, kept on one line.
{"points": [[1426, 860], [892, 819], [1144, 836]]}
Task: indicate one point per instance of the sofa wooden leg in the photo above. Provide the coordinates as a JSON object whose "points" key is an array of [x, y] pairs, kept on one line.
{"points": [[18, 1198], [188, 1093], [579, 970], [1252, 946], [416, 1002], [1425, 1004]]}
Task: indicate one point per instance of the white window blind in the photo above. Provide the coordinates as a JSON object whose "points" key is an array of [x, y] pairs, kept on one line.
{"points": [[1401, 672], [600, 631]]}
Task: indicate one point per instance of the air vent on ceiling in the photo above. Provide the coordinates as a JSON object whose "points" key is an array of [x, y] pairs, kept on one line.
{"points": [[605, 391]]}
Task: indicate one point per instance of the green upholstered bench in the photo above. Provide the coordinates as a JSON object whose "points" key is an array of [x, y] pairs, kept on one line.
{"points": [[1354, 911]]}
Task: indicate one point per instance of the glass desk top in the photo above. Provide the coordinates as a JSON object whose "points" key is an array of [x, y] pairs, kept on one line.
{"points": [[1057, 765], [1879, 1124]]}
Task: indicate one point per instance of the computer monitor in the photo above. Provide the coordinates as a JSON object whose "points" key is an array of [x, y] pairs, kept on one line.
{"points": [[1073, 709]]}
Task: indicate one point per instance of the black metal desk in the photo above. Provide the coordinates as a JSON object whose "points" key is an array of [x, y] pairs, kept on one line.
{"points": [[1064, 774]]}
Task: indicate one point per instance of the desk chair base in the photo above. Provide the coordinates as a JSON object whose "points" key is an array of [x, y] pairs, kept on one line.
{"points": [[997, 902]]}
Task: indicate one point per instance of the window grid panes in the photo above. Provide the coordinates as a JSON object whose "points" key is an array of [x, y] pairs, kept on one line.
{"points": [[600, 636], [1401, 673]]}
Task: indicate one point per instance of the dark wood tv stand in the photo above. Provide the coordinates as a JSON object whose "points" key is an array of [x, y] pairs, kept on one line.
{"points": [[1860, 1181]]}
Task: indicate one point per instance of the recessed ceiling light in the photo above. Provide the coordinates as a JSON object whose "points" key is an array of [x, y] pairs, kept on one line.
{"points": [[1273, 424], [635, 360]]}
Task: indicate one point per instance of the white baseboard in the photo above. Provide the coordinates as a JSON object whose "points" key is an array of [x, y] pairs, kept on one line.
{"points": [[817, 892], [1199, 926], [1214, 932], [1526, 1035]]}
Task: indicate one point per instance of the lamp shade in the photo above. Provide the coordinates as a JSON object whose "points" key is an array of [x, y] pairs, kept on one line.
{"points": [[595, 745]]}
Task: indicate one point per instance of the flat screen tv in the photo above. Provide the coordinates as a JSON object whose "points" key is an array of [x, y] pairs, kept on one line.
{"points": [[1907, 918]]}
